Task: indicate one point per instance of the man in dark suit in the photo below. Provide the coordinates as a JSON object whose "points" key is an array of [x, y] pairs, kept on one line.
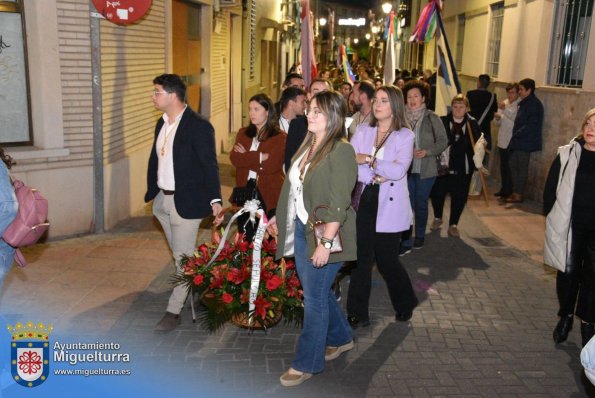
{"points": [[182, 179], [483, 105]]}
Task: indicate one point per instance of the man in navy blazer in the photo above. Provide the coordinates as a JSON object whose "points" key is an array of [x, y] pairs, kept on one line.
{"points": [[182, 179]]}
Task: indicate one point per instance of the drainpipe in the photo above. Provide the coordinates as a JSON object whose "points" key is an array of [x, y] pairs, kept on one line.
{"points": [[98, 186]]}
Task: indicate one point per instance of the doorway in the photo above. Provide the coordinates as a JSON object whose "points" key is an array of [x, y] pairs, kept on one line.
{"points": [[186, 48]]}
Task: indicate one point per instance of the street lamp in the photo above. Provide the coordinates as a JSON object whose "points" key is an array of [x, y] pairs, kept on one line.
{"points": [[322, 21], [375, 29], [387, 7], [356, 40], [368, 36]]}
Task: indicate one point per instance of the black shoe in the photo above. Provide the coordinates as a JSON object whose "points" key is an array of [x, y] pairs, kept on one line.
{"points": [[403, 316], [418, 243], [168, 323], [404, 250], [587, 331], [499, 193], [355, 322], [562, 329]]}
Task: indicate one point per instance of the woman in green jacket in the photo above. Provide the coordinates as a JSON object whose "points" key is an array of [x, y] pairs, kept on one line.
{"points": [[323, 173]]}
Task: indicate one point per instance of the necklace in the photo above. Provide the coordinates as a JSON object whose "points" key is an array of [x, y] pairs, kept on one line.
{"points": [[168, 131], [308, 156], [378, 143]]}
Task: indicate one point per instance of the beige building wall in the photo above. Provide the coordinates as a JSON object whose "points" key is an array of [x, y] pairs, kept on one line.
{"points": [[60, 164], [524, 52], [266, 14], [131, 56]]}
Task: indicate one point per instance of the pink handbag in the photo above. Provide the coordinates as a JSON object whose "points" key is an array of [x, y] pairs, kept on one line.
{"points": [[30, 222]]}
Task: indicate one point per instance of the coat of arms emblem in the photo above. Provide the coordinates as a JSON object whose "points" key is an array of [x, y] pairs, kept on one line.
{"points": [[30, 353]]}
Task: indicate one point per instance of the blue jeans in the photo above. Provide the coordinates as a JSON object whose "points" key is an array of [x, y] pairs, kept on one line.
{"points": [[8, 211], [419, 193], [6, 259], [325, 323]]}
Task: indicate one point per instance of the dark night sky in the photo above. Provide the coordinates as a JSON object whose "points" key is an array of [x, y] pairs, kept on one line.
{"points": [[364, 4]]}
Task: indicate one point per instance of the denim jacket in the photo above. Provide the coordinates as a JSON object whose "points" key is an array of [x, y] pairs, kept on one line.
{"points": [[8, 200]]}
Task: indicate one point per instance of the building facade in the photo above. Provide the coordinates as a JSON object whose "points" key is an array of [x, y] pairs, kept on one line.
{"points": [[88, 87], [549, 41]]}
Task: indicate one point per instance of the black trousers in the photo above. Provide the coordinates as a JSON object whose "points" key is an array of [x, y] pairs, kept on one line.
{"points": [[458, 187], [505, 173], [576, 286], [382, 248]]}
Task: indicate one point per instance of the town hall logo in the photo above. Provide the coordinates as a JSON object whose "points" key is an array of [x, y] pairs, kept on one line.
{"points": [[30, 353]]}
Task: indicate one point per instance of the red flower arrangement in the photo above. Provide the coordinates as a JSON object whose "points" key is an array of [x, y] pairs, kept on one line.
{"points": [[224, 285]]}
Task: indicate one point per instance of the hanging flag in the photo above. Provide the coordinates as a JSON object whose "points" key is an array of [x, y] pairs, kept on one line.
{"points": [[309, 71], [426, 25], [331, 31], [447, 81], [343, 62], [430, 26], [389, 57]]}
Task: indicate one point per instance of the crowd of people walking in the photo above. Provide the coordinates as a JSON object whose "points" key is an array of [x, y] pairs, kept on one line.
{"points": [[366, 160]]}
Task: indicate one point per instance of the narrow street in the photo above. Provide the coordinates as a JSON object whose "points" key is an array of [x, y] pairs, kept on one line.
{"points": [[483, 327]]}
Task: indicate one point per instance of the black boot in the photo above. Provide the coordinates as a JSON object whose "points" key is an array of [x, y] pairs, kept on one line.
{"points": [[587, 331], [562, 329]]}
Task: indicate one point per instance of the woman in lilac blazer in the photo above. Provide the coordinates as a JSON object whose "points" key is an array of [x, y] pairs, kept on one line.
{"points": [[384, 152]]}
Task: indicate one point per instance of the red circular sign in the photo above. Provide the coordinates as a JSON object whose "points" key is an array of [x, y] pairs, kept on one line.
{"points": [[122, 12]]}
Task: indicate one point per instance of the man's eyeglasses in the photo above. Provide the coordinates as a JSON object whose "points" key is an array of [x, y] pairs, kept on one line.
{"points": [[155, 92], [382, 101]]}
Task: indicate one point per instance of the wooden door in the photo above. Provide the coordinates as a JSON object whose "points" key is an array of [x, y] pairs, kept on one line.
{"points": [[186, 48]]}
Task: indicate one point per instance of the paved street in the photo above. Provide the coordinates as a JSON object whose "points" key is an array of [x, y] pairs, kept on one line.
{"points": [[482, 329]]}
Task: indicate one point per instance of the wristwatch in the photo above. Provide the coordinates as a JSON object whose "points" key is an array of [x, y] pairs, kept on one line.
{"points": [[326, 243], [368, 159]]}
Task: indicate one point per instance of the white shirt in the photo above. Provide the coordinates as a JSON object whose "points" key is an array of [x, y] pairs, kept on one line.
{"points": [[284, 124], [507, 122], [296, 194], [164, 149], [255, 143]]}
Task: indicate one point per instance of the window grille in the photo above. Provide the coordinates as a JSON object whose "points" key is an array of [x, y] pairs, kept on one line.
{"points": [[572, 25], [460, 41], [495, 38]]}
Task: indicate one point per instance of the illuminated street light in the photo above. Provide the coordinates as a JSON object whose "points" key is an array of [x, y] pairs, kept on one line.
{"points": [[387, 7], [368, 36], [322, 21], [356, 40], [375, 29]]}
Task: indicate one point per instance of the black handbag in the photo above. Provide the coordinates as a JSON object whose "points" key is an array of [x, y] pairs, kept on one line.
{"points": [[240, 195], [356, 195]]}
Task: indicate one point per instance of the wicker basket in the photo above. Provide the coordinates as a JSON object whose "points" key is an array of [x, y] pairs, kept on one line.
{"points": [[243, 321]]}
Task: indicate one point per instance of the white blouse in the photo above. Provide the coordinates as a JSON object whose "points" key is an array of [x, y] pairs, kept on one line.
{"points": [[296, 194]]}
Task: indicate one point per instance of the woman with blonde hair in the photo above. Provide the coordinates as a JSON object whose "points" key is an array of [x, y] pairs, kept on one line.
{"points": [[569, 206], [462, 131], [384, 153], [320, 180]]}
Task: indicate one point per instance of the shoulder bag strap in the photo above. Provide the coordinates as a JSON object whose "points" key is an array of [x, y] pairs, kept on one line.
{"points": [[485, 111], [379, 146]]}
